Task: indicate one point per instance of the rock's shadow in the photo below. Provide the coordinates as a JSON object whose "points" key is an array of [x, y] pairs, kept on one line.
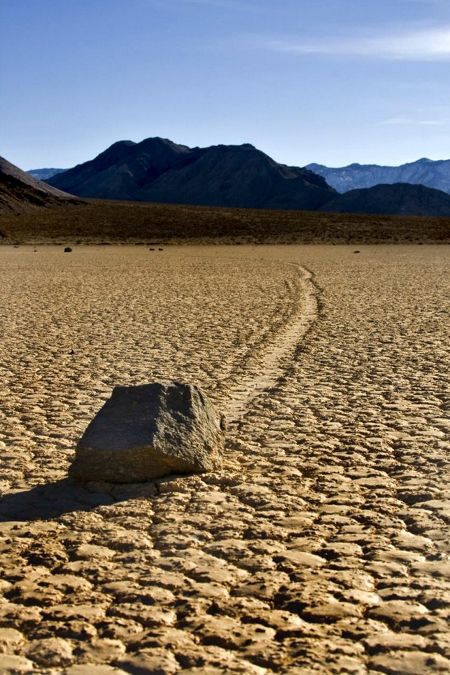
{"points": [[50, 501]]}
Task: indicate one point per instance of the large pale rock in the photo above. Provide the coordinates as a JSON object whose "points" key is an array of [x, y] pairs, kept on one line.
{"points": [[149, 431]]}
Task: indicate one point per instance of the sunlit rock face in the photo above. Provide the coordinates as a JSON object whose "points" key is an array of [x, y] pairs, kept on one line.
{"points": [[150, 431]]}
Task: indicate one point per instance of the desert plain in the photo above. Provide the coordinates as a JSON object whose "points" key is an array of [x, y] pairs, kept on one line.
{"points": [[321, 546]]}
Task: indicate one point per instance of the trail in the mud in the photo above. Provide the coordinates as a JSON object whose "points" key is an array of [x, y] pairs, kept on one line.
{"points": [[266, 373]]}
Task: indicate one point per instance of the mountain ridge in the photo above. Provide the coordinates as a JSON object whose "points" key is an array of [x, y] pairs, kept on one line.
{"points": [[160, 170], [44, 173], [239, 176], [428, 172]]}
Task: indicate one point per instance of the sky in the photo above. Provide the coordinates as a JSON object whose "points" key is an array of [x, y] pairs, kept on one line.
{"points": [[327, 81]]}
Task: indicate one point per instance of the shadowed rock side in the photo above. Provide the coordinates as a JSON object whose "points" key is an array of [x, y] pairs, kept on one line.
{"points": [[19, 191], [159, 170], [150, 431], [398, 199]]}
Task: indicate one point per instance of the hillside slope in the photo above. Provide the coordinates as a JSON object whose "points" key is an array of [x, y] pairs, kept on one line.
{"points": [[19, 191], [398, 199]]}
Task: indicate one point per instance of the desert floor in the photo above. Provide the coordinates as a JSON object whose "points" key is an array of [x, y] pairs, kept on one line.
{"points": [[321, 546]]}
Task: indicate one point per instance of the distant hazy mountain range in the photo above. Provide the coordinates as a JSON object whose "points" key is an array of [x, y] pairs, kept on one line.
{"points": [[44, 174], [159, 170], [434, 174], [19, 191]]}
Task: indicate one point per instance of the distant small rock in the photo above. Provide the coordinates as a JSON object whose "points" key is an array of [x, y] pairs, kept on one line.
{"points": [[149, 431], [67, 249]]}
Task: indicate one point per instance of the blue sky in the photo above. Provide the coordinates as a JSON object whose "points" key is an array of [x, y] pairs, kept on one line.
{"points": [[330, 81]]}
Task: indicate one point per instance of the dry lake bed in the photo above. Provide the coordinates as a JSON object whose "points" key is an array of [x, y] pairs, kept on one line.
{"points": [[322, 544]]}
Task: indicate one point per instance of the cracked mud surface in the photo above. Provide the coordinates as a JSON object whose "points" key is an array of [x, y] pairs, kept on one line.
{"points": [[321, 547]]}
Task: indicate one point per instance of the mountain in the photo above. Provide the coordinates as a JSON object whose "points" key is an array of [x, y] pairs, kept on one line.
{"points": [[44, 174], [19, 191], [434, 174], [397, 199], [158, 170]]}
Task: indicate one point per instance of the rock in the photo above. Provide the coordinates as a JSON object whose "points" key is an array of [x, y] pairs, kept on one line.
{"points": [[149, 431], [100, 650], [330, 612], [409, 663], [299, 559], [398, 612], [50, 653], [15, 664], [94, 669], [147, 615], [10, 640], [385, 642], [152, 662], [67, 249]]}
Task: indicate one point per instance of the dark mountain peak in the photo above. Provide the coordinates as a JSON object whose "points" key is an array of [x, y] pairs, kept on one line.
{"points": [[245, 155], [157, 169], [232, 160], [242, 147], [157, 143], [121, 144], [228, 156], [115, 152], [122, 169]]}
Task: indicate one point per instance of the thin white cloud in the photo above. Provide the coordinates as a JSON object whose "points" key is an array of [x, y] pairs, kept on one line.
{"points": [[408, 121], [222, 4], [432, 44], [227, 4], [425, 2]]}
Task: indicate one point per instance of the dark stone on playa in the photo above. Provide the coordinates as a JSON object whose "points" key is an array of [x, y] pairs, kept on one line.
{"points": [[67, 249], [149, 431]]}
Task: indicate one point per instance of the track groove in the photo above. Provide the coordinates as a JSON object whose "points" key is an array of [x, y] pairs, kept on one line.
{"points": [[264, 374]]}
